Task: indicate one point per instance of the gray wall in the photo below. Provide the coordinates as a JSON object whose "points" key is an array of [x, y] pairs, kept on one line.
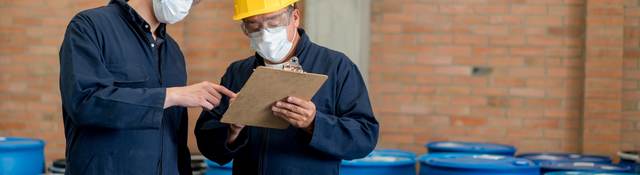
{"points": [[342, 25]]}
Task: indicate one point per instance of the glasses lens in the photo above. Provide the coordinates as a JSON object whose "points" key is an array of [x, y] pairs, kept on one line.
{"points": [[273, 22]]}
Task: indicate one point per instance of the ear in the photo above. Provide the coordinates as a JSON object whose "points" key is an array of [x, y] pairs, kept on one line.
{"points": [[296, 18]]}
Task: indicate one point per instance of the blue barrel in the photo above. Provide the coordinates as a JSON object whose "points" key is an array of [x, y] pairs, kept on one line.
{"points": [[475, 164], [470, 147], [217, 169], [58, 167], [584, 166], [584, 173], [381, 162], [21, 156], [564, 157], [631, 159]]}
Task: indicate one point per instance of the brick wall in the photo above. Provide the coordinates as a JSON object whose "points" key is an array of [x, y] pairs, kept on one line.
{"points": [[422, 80], [604, 71], [31, 33], [422, 72], [631, 93]]}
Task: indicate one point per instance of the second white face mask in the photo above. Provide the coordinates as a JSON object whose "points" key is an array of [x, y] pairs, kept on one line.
{"points": [[272, 44], [171, 11]]}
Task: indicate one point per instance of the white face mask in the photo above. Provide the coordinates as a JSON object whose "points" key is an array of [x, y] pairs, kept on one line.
{"points": [[171, 11], [272, 44]]}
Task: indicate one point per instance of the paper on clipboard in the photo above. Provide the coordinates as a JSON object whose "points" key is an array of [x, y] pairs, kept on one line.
{"points": [[252, 107]]}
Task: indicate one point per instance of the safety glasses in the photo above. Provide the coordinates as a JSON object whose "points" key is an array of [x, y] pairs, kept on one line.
{"points": [[279, 20]]}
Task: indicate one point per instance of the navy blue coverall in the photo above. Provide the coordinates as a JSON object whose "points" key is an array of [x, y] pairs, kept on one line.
{"points": [[344, 125], [113, 77]]}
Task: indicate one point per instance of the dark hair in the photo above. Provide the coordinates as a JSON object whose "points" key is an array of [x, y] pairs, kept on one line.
{"points": [[292, 7]]}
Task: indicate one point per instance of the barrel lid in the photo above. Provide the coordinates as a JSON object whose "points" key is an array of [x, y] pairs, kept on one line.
{"points": [[477, 162], [564, 157], [213, 164], [583, 173], [384, 158], [13, 143], [583, 166], [470, 147], [633, 156]]}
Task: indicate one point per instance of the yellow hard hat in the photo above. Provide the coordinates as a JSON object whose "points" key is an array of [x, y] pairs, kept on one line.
{"points": [[248, 8]]}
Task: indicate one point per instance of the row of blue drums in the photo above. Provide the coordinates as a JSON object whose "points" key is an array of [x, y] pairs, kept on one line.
{"points": [[465, 158], [26, 156]]}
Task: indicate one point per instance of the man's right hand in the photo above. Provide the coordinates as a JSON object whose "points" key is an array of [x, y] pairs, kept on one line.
{"points": [[205, 94]]}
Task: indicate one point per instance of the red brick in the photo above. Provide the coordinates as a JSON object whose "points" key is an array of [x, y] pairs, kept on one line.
{"points": [[541, 123], [509, 40], [605, 21], [490, 9], [489, 51], [454, 90], [488, 111], [544, 21], [605, 11], [455, 9], [511, 20], [508, 82], [452, 110], [528, 10], [523, 92], [491, 30], [470, 40], [506, 62], [469, 101], [470, 20], [490, 91], [468, 121]]}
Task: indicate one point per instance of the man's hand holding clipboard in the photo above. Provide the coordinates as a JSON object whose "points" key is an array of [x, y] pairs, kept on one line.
{"points": [[258, 100]]}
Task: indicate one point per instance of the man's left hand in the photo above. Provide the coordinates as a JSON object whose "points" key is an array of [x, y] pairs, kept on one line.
{"points": [[299, 113]]}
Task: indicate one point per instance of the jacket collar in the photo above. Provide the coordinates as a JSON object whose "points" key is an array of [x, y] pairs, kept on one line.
{"points": [[133, 18]]}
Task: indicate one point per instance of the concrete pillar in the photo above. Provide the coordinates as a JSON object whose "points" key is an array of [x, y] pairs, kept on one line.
{"points": [[341, 25]]}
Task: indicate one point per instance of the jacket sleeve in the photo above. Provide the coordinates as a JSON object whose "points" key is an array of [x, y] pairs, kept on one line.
{"points": [[90, 96], [211, 134], [353, 132]]}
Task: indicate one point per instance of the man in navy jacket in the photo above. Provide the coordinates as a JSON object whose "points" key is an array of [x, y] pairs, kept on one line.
{"points": [[336, 124], [122, 81]]}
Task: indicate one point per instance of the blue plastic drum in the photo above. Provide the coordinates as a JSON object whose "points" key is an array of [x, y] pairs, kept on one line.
{"points": [[470, 147], [381, 162], [584, 166], [21, 156], [216, 169], [475, 164], [631, 159], [564, 157], [584, 173]]}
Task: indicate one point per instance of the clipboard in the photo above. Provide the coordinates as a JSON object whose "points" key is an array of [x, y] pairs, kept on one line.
{"points": [[266, 86]]}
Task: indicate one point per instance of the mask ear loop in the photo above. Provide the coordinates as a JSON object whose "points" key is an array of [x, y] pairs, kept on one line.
{"points": [[289, 18]]}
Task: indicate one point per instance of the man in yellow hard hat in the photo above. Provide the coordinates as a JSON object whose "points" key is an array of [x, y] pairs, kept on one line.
{"points": [[336, 124]]}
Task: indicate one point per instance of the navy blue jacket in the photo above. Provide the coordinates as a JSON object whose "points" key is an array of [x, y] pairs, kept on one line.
{"points": [[344, 126], [113, 77]]}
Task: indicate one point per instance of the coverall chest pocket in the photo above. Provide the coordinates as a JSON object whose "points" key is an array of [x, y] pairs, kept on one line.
{"points": [[128, 75]]}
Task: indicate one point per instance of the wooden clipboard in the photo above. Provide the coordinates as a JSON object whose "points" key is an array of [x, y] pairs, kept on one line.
{"points": [[266, 86]]}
